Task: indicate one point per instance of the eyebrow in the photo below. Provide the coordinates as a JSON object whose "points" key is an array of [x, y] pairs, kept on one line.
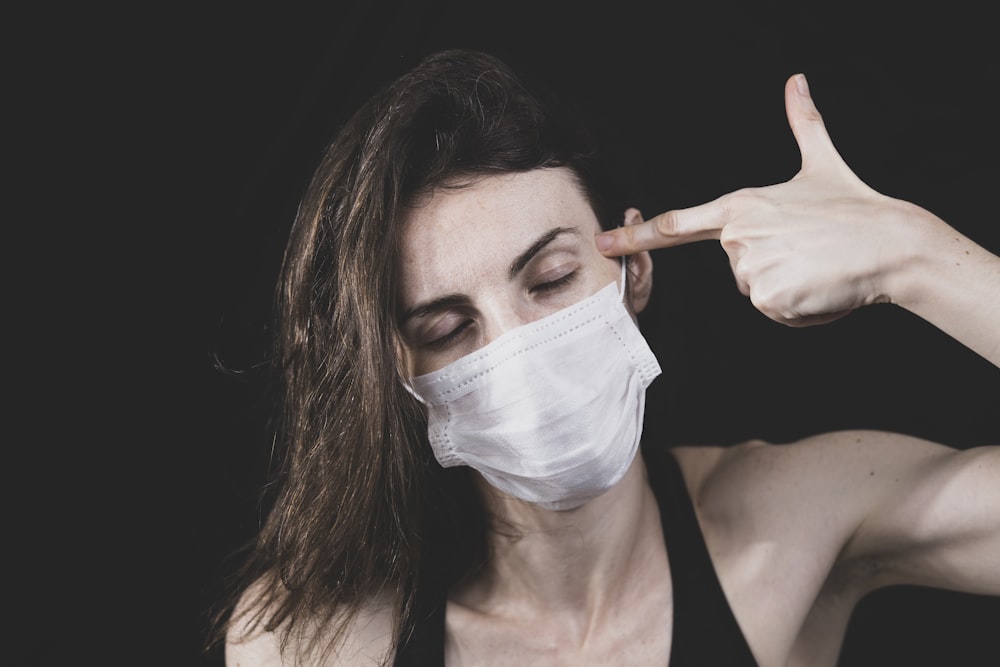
{"points": [[548, 237], [452, 300]]}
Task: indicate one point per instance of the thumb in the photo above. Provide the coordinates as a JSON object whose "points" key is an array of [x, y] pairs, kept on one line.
{"points": [[815, 145]]}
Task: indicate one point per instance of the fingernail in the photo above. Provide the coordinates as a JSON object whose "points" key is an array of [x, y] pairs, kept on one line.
{"points": [[604, 242], [800, 83]]}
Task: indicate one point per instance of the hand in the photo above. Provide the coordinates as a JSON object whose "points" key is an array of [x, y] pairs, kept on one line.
{"points": [[807, 251]]}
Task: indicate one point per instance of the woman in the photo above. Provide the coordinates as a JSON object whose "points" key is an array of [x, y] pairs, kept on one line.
{"points": [[463, 389]]}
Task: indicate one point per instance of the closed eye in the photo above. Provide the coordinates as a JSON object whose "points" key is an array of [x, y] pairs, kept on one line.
{"points": [[554, 285], [444, 341]]}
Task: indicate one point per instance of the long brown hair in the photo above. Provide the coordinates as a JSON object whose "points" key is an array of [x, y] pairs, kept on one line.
{"points": [[362, 509]]}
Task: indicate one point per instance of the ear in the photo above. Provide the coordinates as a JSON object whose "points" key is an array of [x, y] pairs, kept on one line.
{"points": [[640, 269]]}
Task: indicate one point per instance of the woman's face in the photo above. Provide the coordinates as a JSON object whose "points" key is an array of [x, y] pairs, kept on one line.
{"points": [[483, 259]]}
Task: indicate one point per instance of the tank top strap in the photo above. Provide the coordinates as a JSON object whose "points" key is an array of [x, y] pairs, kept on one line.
{"points": [[705, 630]]}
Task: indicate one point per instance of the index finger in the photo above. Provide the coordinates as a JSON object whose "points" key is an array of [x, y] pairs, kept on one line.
{"points": [[672, 228]]}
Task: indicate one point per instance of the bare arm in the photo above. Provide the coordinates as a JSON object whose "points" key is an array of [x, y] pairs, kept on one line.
{"points": [[949, 281], [934, 519], [877, 508], [814, 248]]}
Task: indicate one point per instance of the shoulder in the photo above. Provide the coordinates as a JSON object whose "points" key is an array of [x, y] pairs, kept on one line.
{"points": [[834, 462], [801, 531], [364, 640], [844, 496], [810, 495]]}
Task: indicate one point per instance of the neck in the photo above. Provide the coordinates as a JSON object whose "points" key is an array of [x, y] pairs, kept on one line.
{"points": [[578, 562]]}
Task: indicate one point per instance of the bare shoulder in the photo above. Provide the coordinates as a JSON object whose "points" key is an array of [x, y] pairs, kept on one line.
{"points": [[366, 640], [814, 492], [831, 459], [876, 508], [857, 492]]}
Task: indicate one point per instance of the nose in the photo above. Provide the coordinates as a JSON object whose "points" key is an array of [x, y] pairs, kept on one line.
{"points": [[498, 318]]}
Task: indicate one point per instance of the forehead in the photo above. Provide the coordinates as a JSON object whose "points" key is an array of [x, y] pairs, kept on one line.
{"points": [[457, 231]]}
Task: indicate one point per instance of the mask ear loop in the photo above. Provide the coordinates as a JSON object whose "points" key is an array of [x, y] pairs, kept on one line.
{"points": [[621, 287], [412, 391], [405, 381]]}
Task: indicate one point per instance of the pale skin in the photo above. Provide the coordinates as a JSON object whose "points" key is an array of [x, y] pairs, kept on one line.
{"points": [[798, 532]]}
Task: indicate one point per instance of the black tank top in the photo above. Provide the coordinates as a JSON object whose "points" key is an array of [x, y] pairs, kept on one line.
{"points": [[705, 632]]}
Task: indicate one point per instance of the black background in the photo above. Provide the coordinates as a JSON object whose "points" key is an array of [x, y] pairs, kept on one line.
{"points": [[158, 153]]}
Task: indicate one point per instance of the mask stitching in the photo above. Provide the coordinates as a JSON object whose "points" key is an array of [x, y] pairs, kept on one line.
{"points": [[501, 345], [448, 451], [515, 354], [590, 302], [444, 434], [643, 365]]}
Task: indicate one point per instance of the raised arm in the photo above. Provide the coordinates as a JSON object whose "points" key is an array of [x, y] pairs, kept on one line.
{"points": [[814, 248], [938, 523]]}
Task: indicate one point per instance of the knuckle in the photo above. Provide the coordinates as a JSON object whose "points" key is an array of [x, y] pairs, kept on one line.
{"points": [[766, 302], [738, 201], [666, 224], [812, 114], [730, 240]]}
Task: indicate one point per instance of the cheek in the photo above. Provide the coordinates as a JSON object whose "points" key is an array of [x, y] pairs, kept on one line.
{"points": [[609, 269]]}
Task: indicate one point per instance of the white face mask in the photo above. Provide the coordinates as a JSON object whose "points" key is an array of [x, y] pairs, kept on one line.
{"points": [[550, 412]]}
